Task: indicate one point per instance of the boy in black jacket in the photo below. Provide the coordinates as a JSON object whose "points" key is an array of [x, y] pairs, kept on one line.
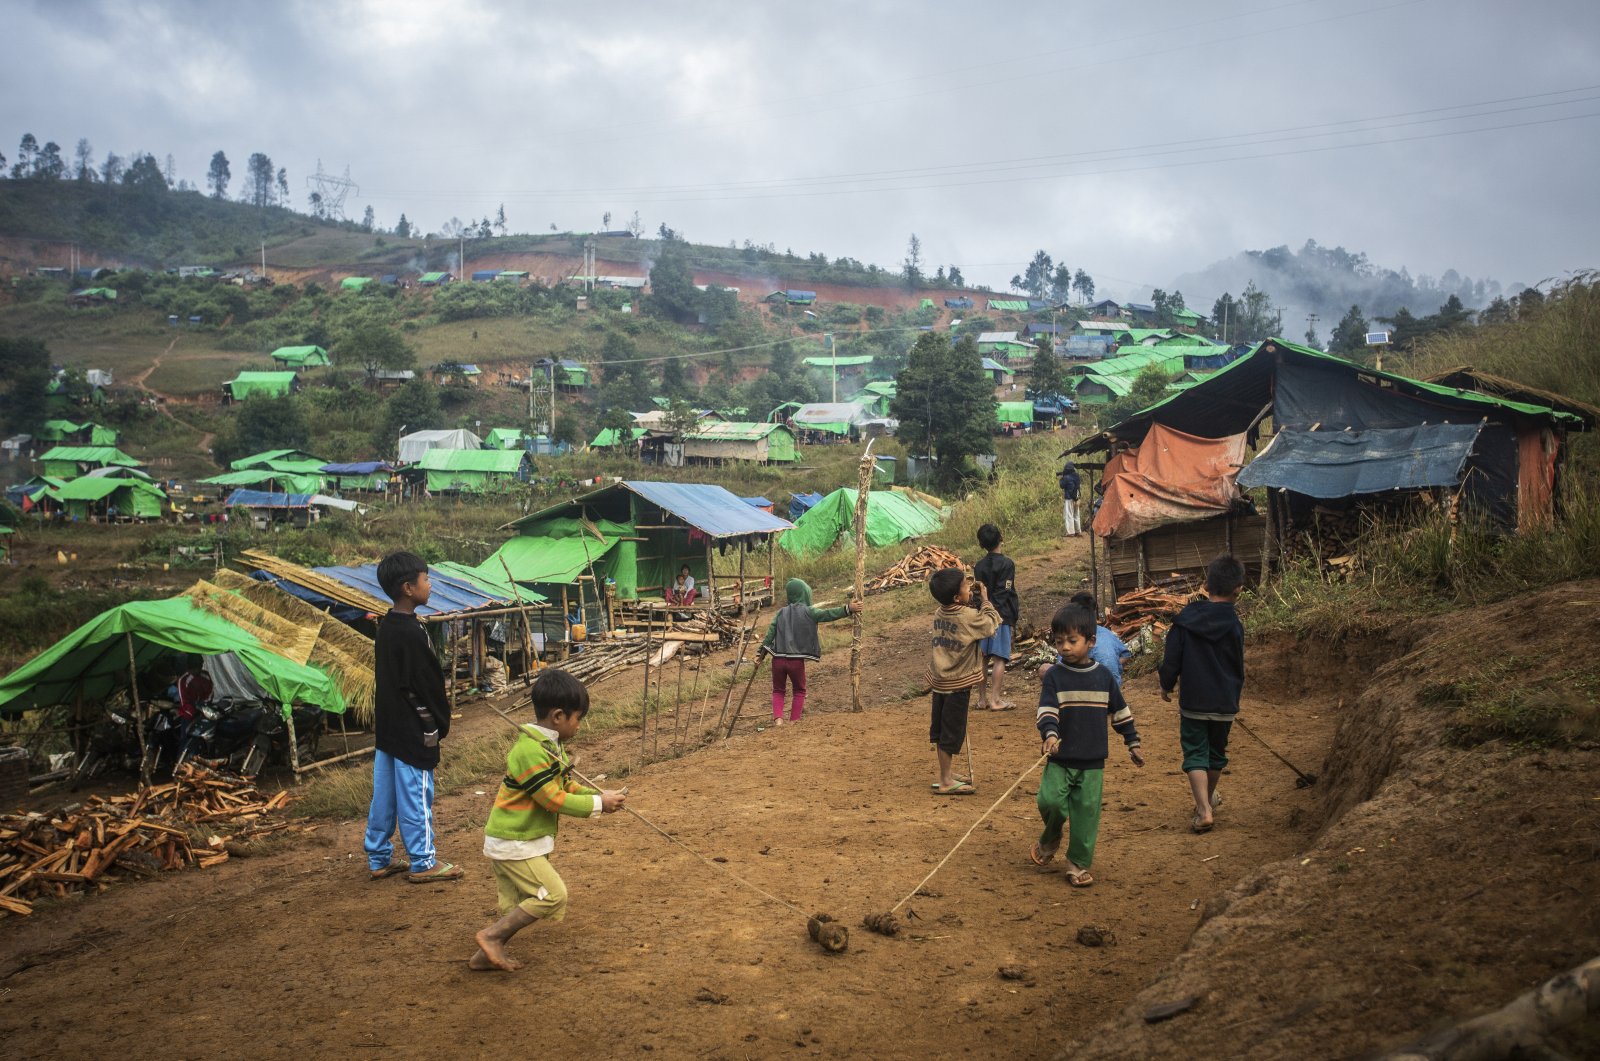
{"points": [[998, 575], [1076, 697], [1205, 648], [411, 714]]}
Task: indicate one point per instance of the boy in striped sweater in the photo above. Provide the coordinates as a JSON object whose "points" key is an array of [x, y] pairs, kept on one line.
{"points": [[1076, 697], [521, 833]]}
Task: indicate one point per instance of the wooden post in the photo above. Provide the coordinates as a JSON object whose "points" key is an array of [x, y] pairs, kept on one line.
{"points": [[677, 700], [294, 744], [863, 486], [527, 629], [450, 675], [733, 679], [1094, 565], [711, 574], [739, 596], [138, 713], [644, 703], [566, 637]]}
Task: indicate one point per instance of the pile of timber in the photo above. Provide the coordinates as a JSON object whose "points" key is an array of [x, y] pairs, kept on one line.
{"points": [[141, 834], [1154, 606], [915, 569], [601, 659]]}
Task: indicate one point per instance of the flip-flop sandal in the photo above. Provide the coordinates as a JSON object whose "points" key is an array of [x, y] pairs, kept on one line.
{"points": [[440, 872], [1005, 705], [960, 781], [1079, 878], [1196, 826], [390, 870], [1041, 857], [961, 788], [1216, 800]]}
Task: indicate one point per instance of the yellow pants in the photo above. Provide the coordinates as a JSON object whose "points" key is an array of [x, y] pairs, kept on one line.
{"points": [[532, 884]]}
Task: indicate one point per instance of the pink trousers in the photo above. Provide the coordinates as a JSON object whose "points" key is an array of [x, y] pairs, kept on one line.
{"points": [[794, 672]]}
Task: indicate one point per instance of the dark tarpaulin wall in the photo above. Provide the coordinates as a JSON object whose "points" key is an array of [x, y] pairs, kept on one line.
{"points": [[1330, 464]]}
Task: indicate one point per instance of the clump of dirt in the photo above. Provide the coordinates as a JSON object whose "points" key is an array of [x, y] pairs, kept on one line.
{"points": [[1445, 880], [883, 924], [828, 933]]}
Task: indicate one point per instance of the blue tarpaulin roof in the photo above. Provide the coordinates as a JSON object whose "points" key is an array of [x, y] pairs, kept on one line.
{"points": [[358, 468], [756, 502], [266, 499], [1331, 464], [799, 503], [451, 594], [714, 511]]}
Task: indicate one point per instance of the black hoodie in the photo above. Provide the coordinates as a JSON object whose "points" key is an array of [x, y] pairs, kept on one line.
{"points": [[1205, 647]]}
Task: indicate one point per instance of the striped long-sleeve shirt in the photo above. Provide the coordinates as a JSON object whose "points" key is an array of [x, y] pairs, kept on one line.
{"points": [[1074, 705], [534, 793]]}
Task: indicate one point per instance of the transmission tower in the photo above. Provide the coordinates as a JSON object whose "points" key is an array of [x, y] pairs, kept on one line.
{"points": [[332, 190]]}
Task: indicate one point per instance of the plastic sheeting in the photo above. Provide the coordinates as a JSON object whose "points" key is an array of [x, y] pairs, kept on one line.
{"points": [[892, 517], [1170, 478], [1329, 464]]}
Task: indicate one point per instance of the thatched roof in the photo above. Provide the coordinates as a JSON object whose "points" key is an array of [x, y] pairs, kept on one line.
{"points": [[1468, 378]]}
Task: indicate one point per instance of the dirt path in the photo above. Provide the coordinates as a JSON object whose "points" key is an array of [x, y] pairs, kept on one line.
{"points": [[163, 402], [299, 952]]}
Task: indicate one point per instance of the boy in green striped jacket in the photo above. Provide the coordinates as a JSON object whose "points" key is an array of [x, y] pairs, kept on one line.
{"points": [[521, 833]]}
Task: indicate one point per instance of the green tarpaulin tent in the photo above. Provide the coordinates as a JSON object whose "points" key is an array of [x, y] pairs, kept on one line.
{"points": [[503, 438], [67, 462], [892, 517], [472, 470], [132, 497], [285, 482], [354, 283], [301, 356], [1013, 412], [260, 384], [554, 552], [92, 661]]}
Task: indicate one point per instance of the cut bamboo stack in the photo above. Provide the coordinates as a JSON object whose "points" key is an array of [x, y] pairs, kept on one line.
{"points": [[915, 569]]}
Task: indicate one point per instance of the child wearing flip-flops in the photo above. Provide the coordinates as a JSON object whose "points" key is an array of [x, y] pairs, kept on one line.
{"points": [[410, 716], [1076, 697], [963, 620]]}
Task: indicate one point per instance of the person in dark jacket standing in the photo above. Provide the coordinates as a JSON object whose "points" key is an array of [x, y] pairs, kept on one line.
{"points": [[791, 640], [998, 574], [1069, 483], [411, 715], [1205, 659]]}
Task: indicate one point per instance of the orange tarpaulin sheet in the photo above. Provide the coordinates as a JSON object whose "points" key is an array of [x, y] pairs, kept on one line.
{"points": [[1536, 477], [1169, 478]]}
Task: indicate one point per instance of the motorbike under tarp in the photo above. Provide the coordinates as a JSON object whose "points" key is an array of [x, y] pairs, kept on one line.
{"points": [[92, 662]]}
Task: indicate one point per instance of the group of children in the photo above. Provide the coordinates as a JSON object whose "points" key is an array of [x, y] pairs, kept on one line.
{"points": [[971, 645]]}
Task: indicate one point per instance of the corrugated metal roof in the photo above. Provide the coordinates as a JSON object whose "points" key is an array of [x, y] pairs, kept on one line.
{"points": [[733, 431], [830, 413], [997, 337], [451, 595]]}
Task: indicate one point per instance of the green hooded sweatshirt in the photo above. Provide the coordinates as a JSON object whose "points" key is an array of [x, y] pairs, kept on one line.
{"points": [[793, 633]]}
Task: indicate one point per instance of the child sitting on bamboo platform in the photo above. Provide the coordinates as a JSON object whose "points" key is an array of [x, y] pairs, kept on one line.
{"points": [[536, 790], [683, 590], [1076, 697], [955, 665], [791, 640]]}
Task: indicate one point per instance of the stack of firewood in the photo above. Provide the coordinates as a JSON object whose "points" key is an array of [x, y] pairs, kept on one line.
{"points": [[160, 828], [601, 659], [1154, 606], [914, 569]]}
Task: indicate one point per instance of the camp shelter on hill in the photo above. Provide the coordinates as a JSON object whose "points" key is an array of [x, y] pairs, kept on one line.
{"points": [[1010, 414], [465, 618], [414, 445], [828, 362], [893, 516], [283, 460], [1009, 305], [1000, 375], [92, 296], [646, 531], [793, 297], [570, 375], [297, 510], [104, 498], [1506, 472], [260, 385], [1099, 389], [301, 356], [459, 372], [357, 475], [606, 437], [716, 442], [471, 471], [842, 419], [69, 462], [87, 433], [434, 279], [100, 658], [504, 438]]}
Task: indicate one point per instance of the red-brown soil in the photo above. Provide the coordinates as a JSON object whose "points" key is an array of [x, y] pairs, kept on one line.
{"points": [[1457, 899]]}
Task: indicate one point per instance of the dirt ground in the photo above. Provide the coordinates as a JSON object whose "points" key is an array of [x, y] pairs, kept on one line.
{"points": [[297, 952]]}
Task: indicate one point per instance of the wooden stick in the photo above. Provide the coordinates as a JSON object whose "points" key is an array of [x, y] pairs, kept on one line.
{"points": [[677, 702], [527, 628], [738, 657], [742, 698], [863, 486], [644, 704], [138, 714]]}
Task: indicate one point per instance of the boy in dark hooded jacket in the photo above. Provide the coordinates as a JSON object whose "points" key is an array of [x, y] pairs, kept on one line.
{"points": [[791, 640], [1205, 648]]}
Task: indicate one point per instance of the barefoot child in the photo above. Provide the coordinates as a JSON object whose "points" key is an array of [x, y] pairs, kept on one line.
{"points": [[1076, 698], [1205, 650], [954, 667], [998, 576], [411, 715], [791, 640], [521, 833]]}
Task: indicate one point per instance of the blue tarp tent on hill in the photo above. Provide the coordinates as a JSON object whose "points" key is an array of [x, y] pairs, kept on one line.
{"points": [[266, 499], [485, 274], [799, 503]]}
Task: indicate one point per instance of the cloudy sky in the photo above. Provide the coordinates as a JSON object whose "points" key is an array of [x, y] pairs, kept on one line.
{"points": [[1138, 140]]}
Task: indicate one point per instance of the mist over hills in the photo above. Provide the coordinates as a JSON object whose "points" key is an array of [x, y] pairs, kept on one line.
{"points": [[1327, 281]]}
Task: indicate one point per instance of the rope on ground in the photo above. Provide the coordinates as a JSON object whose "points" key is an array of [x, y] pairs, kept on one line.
{"points": [[674, 840], [1003, 796]]}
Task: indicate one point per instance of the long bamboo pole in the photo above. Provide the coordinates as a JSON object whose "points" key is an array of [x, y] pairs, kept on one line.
{"points": [[527, 628], [677, 699], [138, 713], [863, 486]]}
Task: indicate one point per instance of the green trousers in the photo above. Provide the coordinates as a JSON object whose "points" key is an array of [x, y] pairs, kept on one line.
{"points": [[1070, 798]]}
